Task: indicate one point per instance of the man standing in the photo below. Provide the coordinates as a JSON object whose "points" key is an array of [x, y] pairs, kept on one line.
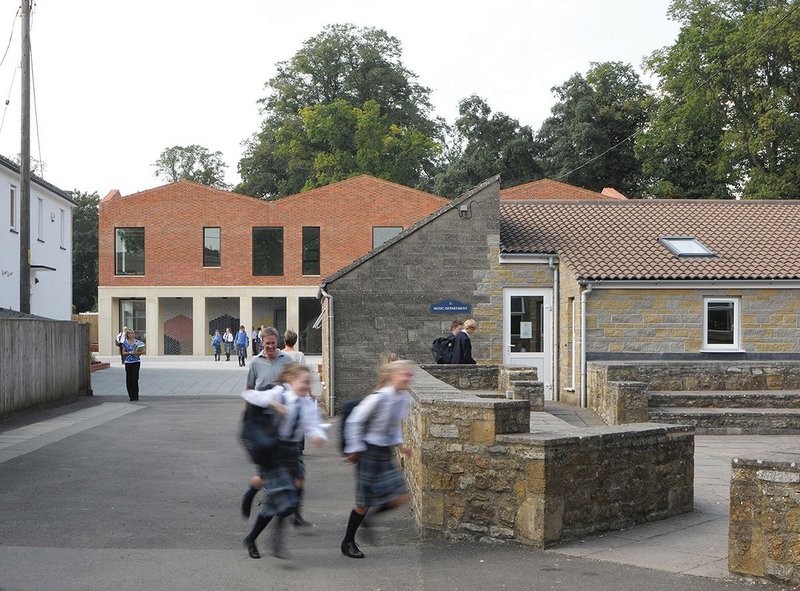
{"points": [[462, 346], [254, 340]]}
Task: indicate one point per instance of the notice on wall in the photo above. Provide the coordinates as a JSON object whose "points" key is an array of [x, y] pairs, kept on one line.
{"points": [[526, 330]]}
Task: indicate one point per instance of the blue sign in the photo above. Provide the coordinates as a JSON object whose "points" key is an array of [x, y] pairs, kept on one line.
{"points": [[451, 307]]}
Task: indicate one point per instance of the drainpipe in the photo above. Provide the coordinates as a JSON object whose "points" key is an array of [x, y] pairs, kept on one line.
{"points": [[587, 289], [331, 390], [556, 297]]}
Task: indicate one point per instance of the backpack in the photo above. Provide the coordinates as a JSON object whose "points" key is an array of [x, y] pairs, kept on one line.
{"points": [[347, 408], [260, 434], [443, 349]]}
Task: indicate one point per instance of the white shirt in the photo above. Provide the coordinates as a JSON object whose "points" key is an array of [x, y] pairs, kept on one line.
{"points": [[297, 356], [227, 337], [377, 420], [292, 427]]}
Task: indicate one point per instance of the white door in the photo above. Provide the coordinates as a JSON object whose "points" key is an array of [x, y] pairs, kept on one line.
{"points": [[527, 332]]}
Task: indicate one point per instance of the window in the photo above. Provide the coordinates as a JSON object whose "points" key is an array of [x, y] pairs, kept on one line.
{"points": [[40, 219], [129, 251], [310, 341], [133, 314], [721, 324], [267, 251], [63, 220], [527, 324], [310, 250], [686, 246], [381, 234], [13, 207], [212, 245]]}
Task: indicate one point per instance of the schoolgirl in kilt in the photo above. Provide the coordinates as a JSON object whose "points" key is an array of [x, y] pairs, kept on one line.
{"points": [[283, 479], [372, 432]]}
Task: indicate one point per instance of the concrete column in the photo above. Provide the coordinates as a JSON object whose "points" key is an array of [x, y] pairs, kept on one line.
{"points": [[201, 341], [293, 312], [155, 332], [246, 313], [107, 321]]}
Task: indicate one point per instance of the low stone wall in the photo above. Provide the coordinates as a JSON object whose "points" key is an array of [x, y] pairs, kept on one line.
{"points": [[478, 472], [616, 402], [764, 530], [522, 382]]}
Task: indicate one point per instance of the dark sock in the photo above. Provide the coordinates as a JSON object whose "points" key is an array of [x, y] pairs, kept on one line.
{"points": [[262, 521], [352, 525]]}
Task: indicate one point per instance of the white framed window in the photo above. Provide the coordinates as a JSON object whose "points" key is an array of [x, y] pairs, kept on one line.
{"points": [[721, 324], [13, 207], [63, 222], [686, 246], [40, 219]]}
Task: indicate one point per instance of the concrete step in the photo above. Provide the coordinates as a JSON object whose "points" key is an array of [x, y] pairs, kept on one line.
{"points": [[732, 421], [726, 399]]}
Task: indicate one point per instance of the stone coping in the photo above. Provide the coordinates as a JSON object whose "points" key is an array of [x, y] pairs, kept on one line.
{"points": [[429, 389], [662, 362], [627, 431], [778, 460]]}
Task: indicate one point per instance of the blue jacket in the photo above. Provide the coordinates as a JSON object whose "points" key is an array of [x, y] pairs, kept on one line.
{"points": [[216, 341], [242, 338]]}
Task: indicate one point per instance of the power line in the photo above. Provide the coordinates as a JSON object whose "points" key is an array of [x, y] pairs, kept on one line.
{"points": [[10, 37], [36, 120], [8, 98], [686, 96]]}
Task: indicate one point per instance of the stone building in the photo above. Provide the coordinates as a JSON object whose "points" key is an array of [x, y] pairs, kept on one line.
{"points": [[181, 260], [636, 280]]}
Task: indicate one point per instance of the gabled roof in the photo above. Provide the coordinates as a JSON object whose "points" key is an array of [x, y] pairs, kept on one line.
{"points": [[619, 240], [408, 231], [13, 166], [550, 189]]}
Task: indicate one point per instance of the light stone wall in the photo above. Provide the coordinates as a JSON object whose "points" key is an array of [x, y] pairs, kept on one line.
{"points": [[764, 530], [569, 348]]}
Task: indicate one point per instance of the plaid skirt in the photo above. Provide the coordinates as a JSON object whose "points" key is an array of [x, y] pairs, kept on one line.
{"points": [[280, 491], [378, 479]]}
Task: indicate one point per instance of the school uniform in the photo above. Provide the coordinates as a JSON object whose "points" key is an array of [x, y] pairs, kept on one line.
{"points": [[254, 340], [242, 340], [373, 429], [216, 344], [227, 338]]}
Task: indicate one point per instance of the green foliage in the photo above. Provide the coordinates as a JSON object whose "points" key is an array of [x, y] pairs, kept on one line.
{"points": [[486, 144], [592, 114], [739, 130], [84, 251], [344, 104], [191, 163]]}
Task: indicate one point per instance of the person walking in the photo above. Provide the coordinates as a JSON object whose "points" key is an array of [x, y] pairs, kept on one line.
{"points": [[118, 342], [284, 478], [242, 341], [290, 341], [216, 344], [372, 431], [227, 340], [134, 349], [254, 340], [462, 346]]}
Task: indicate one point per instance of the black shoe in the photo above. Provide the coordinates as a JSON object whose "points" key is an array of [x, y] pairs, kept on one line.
{"points": [[251, 549], [300, 522], [247, 501], [350, 550]]}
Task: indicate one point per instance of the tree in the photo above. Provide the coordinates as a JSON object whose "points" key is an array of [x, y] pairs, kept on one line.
{"points": [[191, 163], [592, 114], [84, 251], [728, 120], [342, 69], [485, 144]]}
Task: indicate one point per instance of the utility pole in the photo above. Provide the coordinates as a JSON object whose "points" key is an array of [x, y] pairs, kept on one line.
{"points": [[25, 167]]}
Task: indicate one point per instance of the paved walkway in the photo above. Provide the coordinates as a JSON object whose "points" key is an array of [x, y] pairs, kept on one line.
{"points": [[107, 494]]}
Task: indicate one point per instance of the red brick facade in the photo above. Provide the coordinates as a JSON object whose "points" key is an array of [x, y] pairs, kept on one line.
{"points": [[174, 216]]}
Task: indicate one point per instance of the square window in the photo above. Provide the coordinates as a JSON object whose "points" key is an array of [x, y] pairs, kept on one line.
{"points": [[267, 251], [311, 250], [129, 251], [721, 324], [212, 245], [381, 234]]}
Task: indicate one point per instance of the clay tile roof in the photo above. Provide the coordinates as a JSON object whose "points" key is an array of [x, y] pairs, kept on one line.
{"points": [[550, 189], [620, 239]]}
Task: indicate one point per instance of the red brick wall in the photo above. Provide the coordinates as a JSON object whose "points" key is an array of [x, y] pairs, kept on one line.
{"points": [[174, 217]]}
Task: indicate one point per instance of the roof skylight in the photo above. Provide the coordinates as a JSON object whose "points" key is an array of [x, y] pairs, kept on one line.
{"points": [[686, 246]]}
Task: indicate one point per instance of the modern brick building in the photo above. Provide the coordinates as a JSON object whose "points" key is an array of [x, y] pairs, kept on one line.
{"points": [[178, 261]]}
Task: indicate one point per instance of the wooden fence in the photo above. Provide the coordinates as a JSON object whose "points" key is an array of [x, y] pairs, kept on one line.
{"points": [[91, 319], [42, 362]]}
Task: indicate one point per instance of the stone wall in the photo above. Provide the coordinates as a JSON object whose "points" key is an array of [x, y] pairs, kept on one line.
{"points": [[516, 383], [764, 531], [659, 321], [381, 303], [478, 473], [569, 327]]}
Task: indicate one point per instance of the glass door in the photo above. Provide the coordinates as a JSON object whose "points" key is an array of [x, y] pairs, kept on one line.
{"points": [[527, 331], [132, 313]]}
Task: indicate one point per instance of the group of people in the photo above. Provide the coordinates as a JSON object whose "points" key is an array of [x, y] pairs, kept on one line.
{"points": [[241, 341], [276, 381]]}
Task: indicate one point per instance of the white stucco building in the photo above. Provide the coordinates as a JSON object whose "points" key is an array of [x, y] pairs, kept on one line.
{"points": [[51, 245]]}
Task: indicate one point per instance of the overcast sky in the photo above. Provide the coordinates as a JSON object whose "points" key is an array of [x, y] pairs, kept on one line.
{"points": [[117, 82]]}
